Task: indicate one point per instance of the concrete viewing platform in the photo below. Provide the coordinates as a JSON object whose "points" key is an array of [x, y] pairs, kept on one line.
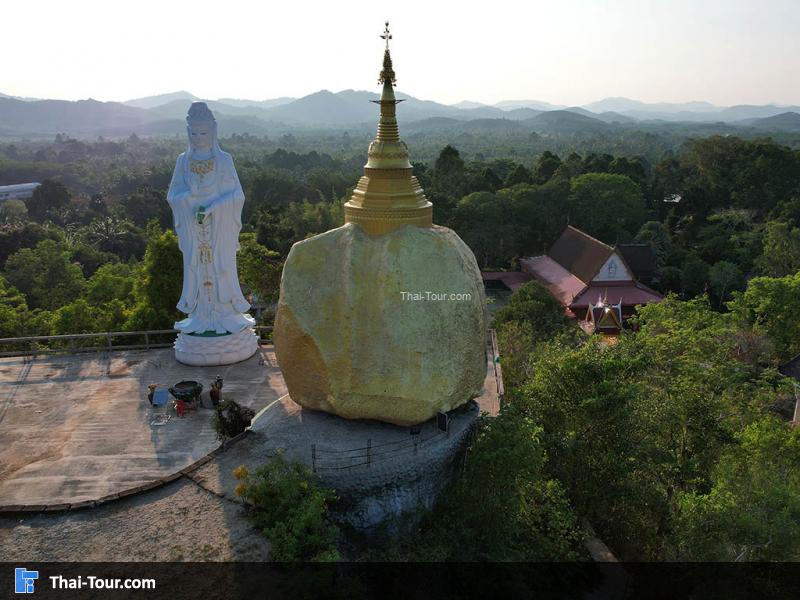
{"points": [[77, 429]]}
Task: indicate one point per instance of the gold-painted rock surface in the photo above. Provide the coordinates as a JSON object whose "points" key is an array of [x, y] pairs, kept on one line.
{"points": [[389, 328]]}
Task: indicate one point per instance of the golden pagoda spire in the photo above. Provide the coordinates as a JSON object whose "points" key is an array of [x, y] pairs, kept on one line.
{"points": [[387, 126], [388, 195]]}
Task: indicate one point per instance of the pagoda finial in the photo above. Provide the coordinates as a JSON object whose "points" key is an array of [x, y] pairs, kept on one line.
{"points": [[387, 74], [387, 128], [386, 35]]}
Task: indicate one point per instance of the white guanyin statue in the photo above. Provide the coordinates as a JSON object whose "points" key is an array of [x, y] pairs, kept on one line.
{"points": [[206, 200]]}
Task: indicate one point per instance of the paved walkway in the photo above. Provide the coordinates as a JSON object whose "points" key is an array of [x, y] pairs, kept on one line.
{"points": [[77, 428], [175, 522]]}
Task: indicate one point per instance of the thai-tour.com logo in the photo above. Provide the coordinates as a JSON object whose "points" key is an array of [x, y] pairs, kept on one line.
{"points": [[24, 582]]}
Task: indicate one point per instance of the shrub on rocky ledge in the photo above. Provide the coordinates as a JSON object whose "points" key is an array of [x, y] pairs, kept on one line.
{"points": [[291, 509]]}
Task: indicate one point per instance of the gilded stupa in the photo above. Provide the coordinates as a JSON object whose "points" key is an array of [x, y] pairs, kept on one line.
{"points": [[388, 195], [383, 318]]}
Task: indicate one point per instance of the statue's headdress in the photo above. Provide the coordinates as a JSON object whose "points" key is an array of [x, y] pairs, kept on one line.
{"points": [[200, 113]]}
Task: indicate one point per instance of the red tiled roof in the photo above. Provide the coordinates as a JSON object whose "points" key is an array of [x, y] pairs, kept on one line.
{"points": [[511, 279], [562, 284], [579, 253], [630, 293], [641, 258]]}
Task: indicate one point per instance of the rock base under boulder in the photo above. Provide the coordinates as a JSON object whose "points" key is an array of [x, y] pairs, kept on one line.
{"points": [[383, 474]]}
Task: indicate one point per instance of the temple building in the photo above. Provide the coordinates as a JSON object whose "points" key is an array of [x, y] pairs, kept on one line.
{"points": [[595, 282]]}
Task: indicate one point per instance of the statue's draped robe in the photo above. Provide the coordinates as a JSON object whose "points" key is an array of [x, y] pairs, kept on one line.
{"points": [[186, 193]]}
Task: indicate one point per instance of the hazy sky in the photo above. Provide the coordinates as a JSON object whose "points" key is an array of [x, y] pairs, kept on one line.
{"points": [[561, 51]]}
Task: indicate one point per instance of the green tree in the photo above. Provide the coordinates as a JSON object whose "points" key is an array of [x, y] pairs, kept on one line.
{"points": [[781, 254], [25, 235], [752, 512], [90, 258], [730, 235], [45, 274], [486, 222], [634, 168], [77, 317], [670, 279], [114, 315], [516, 342], [112, 281], [259, 268], [608, 207], [524, 515], [50, 197], [694, 276], [519, 175], [147, 203], [546, 166], [657, 235], [538, 213], [13, 310], [770, 305], [449, 172], [532, 303], [581, 397], [116, 236], [521, 515], [12, 212], [724, 277], [295, 222], [37, 322], [98, 206], [597, 163], [270, 189], [158, 286], [486, 181]]}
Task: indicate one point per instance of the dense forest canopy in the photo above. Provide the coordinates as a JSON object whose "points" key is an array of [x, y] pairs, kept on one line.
{"points": [[718, 211]]}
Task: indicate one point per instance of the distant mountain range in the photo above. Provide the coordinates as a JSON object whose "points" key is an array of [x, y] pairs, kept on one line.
{"points": [[164, 114]]}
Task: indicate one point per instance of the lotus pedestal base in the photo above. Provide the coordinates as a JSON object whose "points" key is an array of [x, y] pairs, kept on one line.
{"points": [[208, 351]]}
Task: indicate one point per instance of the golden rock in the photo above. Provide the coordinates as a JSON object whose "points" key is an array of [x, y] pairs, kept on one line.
{"points": [[390, 328]]}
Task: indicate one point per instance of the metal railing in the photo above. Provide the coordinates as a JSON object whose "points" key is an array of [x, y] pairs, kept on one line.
{"points": [[109, 341], [498, 371]]}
